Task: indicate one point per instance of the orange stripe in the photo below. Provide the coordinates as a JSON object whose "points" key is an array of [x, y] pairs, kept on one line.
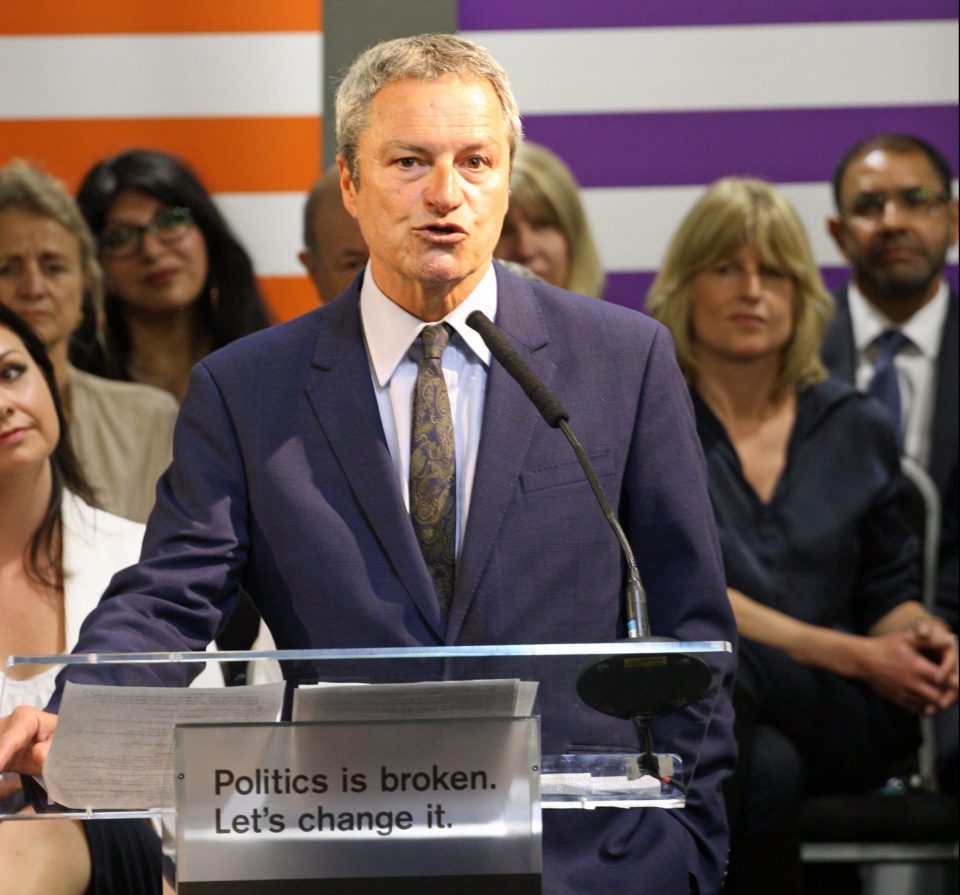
{"points": [[229, 154], [150, 17], [288, 297]]}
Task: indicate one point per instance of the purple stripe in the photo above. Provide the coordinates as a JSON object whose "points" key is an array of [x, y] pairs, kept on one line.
{"points": [[494, 15], [672, 148], [630, 289]]}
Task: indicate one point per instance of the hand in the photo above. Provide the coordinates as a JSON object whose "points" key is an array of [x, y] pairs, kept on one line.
{"points": [[915, 667], [934, 639], [25, 739], [9, 784]]}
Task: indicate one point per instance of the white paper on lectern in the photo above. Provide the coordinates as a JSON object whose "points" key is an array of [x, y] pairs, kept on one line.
{"points": [[113, 746], [405, 702]]}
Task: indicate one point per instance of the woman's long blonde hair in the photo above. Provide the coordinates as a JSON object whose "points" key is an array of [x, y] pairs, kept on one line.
{"points": [[732, 212], [542, 184]]}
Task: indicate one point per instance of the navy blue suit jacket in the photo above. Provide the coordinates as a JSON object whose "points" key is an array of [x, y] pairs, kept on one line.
{"points": [[839, 354], [282, 482]]}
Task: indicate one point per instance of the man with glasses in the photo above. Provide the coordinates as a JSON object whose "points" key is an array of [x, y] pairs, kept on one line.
{"points": [[895, 332]]}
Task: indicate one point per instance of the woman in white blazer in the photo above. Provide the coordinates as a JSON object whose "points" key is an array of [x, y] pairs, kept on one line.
{"points": [[57, 554]]}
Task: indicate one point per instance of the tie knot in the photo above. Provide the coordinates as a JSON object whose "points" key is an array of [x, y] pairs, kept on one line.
{"points": [[890, 342], [434, 340]]}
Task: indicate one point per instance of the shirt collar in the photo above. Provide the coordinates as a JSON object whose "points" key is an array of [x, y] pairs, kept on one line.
{"points": [[924, 329], [389, 330]]}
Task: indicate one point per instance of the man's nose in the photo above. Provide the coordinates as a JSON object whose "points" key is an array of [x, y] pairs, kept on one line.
{"points": [[444, 192], [893, 213]]}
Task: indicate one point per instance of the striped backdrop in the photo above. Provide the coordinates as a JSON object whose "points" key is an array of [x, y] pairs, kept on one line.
{"points": [[233, 87], [646, 101]]}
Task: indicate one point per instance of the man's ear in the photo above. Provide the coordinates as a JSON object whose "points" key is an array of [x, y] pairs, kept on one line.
{"points": [[838, 231], [348, 190], [306, 259]]}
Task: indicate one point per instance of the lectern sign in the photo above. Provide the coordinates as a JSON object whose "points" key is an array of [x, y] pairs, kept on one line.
{"points": [[414, 806]]}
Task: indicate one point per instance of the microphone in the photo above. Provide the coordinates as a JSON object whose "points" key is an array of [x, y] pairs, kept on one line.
{"points": [[623, 686]]}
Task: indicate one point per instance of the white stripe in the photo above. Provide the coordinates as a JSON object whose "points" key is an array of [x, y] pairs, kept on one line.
{"points": [[729, 67], [633, 225], [144, 76], [270, 227]]}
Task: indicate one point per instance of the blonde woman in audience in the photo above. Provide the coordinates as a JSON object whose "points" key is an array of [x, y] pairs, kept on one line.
{"points": [[122, 433], [546, 227], [837, 657], [57, 554], [178, 282]]}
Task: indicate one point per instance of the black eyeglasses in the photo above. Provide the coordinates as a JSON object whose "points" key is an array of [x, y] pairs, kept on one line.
{"points": [[119, 240], [917, 200]]}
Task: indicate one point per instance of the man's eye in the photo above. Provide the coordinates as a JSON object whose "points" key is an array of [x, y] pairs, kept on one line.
{"points": [[917, 198], [869, 203]]}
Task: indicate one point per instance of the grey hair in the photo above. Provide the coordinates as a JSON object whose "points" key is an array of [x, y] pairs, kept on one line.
{"points": [[28, 188], [422, 57]]}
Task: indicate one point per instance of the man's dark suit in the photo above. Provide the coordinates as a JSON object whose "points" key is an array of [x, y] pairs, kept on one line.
{"points": [[282, 482], [839, 354]]}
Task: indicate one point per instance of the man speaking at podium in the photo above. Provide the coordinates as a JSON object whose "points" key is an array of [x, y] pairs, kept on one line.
{"points": [[372, 478]]}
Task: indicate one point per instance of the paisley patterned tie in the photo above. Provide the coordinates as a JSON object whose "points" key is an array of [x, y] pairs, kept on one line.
{"points": [[433, 467]]}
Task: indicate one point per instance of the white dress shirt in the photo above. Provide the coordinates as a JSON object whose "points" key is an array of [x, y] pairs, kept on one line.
{"points": [[394, 350], [916, 362]]}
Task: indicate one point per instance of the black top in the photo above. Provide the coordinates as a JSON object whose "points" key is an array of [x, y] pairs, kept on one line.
{"points": [[832, 546]]}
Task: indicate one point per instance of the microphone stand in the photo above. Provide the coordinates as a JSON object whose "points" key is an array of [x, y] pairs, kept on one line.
{"points": [[634, 687]]}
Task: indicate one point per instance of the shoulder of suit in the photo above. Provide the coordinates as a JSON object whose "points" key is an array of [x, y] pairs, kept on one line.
{"points": [[586, 308]]}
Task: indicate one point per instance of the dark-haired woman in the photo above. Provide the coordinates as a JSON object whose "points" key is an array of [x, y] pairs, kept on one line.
{"points": [[57, 554], [179, 283]]}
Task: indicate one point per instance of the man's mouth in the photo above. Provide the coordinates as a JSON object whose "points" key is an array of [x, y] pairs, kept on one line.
{"points": [[442, 233]]}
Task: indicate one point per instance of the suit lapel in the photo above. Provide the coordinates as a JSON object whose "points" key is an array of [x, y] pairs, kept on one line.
{"points": [[509, 424], [346, 408]]}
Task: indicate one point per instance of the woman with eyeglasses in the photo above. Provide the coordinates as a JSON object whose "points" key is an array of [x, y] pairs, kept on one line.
{"points": [[178, 282], [122, 432]]}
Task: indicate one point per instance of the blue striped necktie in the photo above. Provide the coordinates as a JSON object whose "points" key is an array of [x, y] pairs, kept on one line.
{"points": [[884, 385], [433, 467]]}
